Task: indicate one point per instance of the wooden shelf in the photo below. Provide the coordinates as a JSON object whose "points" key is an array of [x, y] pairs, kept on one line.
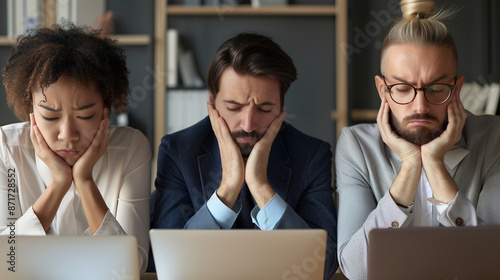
{"points": [[364, 115], [289, 10], [124, 40], [358, 115], [129, 40], [7, 41]]}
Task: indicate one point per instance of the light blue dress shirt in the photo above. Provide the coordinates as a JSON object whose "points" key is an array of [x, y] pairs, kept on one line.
{"points": [[265, 218]]}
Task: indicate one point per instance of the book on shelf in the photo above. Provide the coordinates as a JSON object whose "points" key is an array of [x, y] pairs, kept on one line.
{"points": [[480, 99], [180, 63], [23, 15], [258, 3], [185, 107], [80, 12], [187, 69], [492, 103], [172, 43], [230, 3]]}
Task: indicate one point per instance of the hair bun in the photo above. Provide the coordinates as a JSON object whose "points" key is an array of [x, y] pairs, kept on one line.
{"points": [[417, 8]]}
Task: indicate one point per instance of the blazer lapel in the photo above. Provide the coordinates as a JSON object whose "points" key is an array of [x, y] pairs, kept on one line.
{"points": [[279, 172], [453, 157], [209, 166]]}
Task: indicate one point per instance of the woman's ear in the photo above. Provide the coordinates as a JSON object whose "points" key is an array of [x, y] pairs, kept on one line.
{"points": [[106, 112]]}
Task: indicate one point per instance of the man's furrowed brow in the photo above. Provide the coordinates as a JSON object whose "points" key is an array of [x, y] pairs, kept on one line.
{"points": [[233, 102], [267, 103], [408, 82]]}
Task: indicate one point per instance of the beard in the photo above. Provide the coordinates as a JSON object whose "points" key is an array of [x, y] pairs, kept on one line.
{"points": [[245, 148], [420, 135]]}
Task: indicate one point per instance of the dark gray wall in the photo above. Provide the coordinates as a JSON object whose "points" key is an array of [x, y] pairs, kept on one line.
{"points": [[6, 115], [137, 17]]}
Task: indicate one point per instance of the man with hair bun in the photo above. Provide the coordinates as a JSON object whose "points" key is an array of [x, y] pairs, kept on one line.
{"points": [[427, 161]]}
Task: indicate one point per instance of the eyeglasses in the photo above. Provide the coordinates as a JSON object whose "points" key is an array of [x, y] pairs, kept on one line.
{"points": [[403, 93]]}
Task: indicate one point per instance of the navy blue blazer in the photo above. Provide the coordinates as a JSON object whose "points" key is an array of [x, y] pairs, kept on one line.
{"points": [[189, 171]]}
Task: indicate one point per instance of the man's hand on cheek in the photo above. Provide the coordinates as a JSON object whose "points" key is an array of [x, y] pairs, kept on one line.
{"points": [[404, 149], [256, 166], [233, 167], [272, 130], [437, 148]]}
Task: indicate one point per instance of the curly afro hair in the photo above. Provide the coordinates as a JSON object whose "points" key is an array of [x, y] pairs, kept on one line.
{"points": [[91, 60]]}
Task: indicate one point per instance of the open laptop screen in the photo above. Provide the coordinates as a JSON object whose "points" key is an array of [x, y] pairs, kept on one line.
{"points": [[239, 254], [434, 253], [69, 257]]}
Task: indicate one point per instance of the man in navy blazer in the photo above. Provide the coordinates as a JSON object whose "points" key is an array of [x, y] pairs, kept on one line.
{"points": [[242, 166]]}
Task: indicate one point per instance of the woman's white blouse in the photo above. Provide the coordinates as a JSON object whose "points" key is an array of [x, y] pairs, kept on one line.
{"points": [[122, 175]]}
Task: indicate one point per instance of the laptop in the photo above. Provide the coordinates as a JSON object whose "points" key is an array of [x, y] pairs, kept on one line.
{"points": [[69, 257], [239, 254], [434, 253]]}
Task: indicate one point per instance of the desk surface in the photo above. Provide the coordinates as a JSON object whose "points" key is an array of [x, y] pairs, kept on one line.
{"points": [[152, 276], [149, 276]]}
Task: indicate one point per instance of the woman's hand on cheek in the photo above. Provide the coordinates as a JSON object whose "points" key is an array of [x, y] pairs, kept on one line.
{"points": [[82, 169], [59, 168]]}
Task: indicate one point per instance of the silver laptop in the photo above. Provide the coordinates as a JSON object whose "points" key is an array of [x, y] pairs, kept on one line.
{"points": [[239, 254], [69, 257], [434, 253]]}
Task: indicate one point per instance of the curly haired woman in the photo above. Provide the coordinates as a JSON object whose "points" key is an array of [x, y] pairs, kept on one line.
{"points": [[67, 171]]}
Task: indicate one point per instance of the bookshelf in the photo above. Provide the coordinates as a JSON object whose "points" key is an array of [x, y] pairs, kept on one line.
{"points": [[302, 10], [338, 11], [50, 18], [124, 40]]}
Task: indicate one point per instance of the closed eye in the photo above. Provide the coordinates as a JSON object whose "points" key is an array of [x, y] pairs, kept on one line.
{"points": [[86, 118], [264, 110], [233, 109], [48, 119]]}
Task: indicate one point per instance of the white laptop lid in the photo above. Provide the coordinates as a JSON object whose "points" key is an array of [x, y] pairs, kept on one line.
{"points": [[239, 254], [434, 253], [69, 257]]}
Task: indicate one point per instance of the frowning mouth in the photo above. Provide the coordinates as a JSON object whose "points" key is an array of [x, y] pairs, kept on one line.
{"points": [[246, 139], [67, 153], [420, 122]]}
